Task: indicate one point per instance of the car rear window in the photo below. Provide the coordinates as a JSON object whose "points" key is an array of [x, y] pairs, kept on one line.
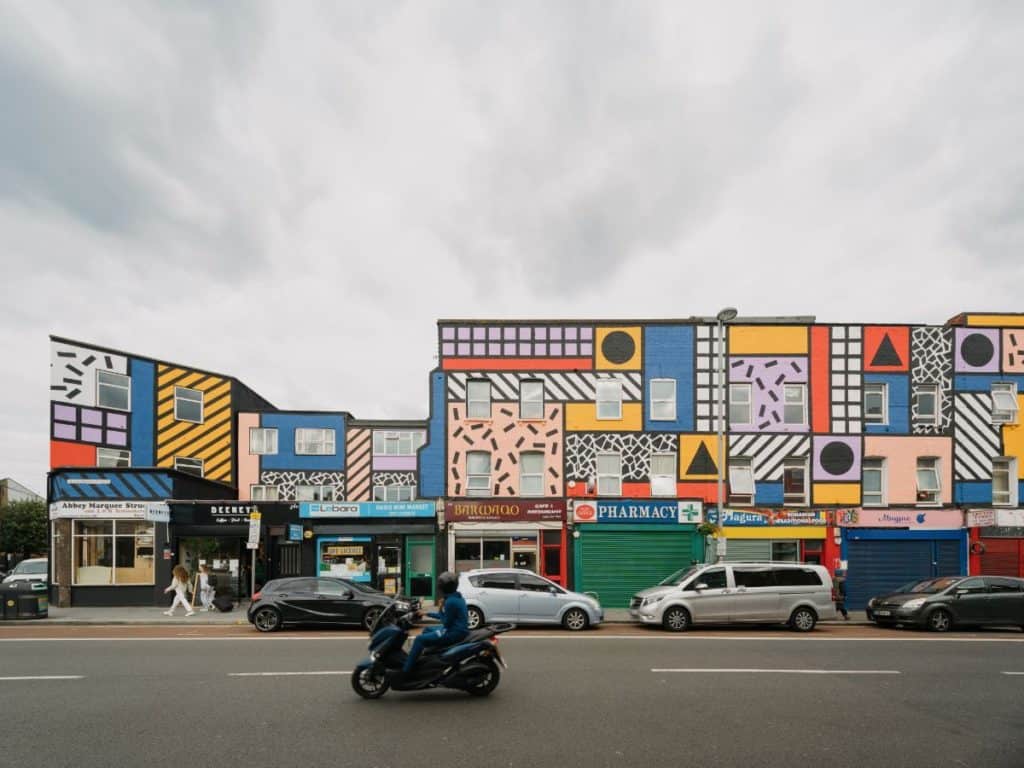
{"points": [[797, 577]]}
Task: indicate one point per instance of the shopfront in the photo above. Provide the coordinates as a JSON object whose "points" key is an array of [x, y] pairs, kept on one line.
{"points": [[387, 545], [623, 546], [997, 541], [886, 548], [507, 533], [783, 535]]}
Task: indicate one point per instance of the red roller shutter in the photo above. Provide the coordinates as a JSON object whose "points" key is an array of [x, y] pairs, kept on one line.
{"points": [[1003, 557]]}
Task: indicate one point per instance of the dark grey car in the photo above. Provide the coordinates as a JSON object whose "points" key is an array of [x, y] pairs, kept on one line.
{"points": [[953, 601]]}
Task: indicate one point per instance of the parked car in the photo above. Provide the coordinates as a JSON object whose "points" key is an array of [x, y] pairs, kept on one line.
{"points": [[320, 601], [522, 597], [952, 601], [797, 594], [33, 569]]}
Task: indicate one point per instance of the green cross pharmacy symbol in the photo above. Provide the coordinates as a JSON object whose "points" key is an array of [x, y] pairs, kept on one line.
{"points": [[689, 512]]}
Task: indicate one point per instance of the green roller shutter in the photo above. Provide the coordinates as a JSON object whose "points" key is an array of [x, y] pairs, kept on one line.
{"points": [[747, 549], [617, 563]]}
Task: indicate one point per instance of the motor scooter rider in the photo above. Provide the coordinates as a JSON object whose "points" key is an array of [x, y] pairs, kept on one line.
{"points": [[454, 618]]}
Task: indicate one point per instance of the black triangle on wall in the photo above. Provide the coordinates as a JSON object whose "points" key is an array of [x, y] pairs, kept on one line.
{"points": [[702, 463], [886, 354]]}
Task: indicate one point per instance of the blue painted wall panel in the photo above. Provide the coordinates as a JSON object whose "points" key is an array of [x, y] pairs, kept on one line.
{"points": [[978, 492], [432, 462], [668, 354], [286, 424], [143, 405], [767, 493], [982, 382], [899, 404], [120, 485]]}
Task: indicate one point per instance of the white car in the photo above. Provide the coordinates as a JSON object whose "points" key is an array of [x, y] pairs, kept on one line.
{"points": [[34, 569], [522, 597]]}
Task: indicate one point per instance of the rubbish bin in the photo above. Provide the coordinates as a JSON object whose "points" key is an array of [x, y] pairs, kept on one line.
{"points": [[24, 600]]}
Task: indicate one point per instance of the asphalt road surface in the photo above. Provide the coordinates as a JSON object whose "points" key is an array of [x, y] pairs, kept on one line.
{"points": [[182, 697]]}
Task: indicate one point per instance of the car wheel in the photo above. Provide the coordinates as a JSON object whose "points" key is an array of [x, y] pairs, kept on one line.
{"points": [[267, 619], [370, 618], [803, 620], [483, 678], [476, 617], [575, 619], [939, 620], [369, 683], [676, 619]]}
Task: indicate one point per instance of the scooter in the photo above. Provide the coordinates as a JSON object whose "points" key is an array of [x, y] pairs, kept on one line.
{"points": [[471, 665]]}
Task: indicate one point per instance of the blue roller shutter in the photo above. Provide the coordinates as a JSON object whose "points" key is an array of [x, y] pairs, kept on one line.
{"points": [[947, 559], [879, 566]]}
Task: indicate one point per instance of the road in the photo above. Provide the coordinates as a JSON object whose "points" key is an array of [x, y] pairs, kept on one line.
{"points": [[841, 696]]}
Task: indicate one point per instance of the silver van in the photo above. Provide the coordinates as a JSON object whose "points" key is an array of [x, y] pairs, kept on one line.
{"points": [[797, 594]]}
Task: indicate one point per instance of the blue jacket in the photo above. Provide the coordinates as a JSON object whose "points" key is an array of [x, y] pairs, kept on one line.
{"points": [[455, 617]]}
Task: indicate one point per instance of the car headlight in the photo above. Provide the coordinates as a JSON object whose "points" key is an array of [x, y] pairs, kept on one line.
{"points": [[402, 606], [913, 605], [871, 603], [652, 600]]}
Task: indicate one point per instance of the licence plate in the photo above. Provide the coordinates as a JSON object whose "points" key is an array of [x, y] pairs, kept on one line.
{"points": [[634, 612], [883, 613]]}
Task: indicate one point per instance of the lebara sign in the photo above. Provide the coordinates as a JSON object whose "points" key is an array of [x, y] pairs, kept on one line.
{"points": [[655, 512], [366, 509]]}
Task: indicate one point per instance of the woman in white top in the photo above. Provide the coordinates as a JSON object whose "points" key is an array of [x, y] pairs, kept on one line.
{"points": [[205, 588], [179, 584]]}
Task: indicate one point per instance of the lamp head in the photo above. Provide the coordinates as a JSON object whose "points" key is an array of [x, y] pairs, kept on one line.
{"points": [[727, 314]]}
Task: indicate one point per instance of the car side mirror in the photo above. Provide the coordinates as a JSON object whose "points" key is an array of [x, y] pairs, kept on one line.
{"points": [[700, 586], [962, 592], [553, 590]]}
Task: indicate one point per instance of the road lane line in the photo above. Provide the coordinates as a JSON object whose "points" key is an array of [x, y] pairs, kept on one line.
{"points": [[788, 671], [512, 638], [43, 677], [288, 674], [1013, 673]]}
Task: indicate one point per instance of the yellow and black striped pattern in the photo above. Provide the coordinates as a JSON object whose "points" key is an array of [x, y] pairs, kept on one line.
{"points": [[209, 441]]}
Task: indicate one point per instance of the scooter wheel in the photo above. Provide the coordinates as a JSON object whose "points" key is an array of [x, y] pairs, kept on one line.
{"points": [[482, 678], [369, 683]]}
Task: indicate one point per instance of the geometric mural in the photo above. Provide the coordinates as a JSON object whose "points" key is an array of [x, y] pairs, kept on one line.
{"points": [[931, 351], [845, 390], [358, 457], [976, 350], [73, 371], [707, 375], [976, 439], [768, 453], [287, 480], [836, 458], [564, 386], [581, 449], [768, 377]]}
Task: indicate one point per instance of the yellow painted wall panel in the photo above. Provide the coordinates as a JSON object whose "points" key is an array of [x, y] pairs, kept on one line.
{"points": [[1013, 439], [582, 417], [631, 363], [767, 339], [1012, 321], [776, 532], [836, 493], [705, 465]]}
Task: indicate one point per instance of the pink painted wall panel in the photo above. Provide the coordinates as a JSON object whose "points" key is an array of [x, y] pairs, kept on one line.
{"points": [[248, 465], [901, 454]]}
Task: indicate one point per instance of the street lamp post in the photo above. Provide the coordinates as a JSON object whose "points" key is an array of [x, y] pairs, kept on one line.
{"points": [[723, 317]]}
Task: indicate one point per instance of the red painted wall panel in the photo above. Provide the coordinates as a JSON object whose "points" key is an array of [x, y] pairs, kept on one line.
{"points": [[820, 374], [64, 454]]}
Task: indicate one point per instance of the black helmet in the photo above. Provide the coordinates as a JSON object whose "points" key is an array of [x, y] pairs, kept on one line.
{"points": [[447, 582]]}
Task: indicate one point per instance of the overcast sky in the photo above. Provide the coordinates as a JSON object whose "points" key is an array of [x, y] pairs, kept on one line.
{"points": [[294, 193]]}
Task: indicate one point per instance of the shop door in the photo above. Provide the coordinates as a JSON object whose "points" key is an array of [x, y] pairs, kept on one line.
{"points": [[551, 556], [419, 573], [1003, 557], [617, 564]]}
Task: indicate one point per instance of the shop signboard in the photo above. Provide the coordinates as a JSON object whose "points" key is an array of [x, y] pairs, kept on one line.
{"points": [[761, 518], [294, 532], [361, 509], [995, 518], [639, 511], [254, 531], [153, 511], [914, 518], [505, 511]]}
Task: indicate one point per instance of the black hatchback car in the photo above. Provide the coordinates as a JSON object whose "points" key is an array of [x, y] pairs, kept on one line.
{"points": [[953, 601], [321, 601]]}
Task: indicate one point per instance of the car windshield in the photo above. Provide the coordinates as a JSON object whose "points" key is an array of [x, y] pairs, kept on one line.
{"points": [[933, 586], [31, 568], [678, 577]]}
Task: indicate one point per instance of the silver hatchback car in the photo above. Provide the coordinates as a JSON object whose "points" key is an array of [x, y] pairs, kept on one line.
{"points": [[523, 597]]}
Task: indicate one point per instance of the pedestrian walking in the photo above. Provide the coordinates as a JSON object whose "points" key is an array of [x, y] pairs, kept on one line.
{"points": [[840, 589], [205, 587], [179, 585]]}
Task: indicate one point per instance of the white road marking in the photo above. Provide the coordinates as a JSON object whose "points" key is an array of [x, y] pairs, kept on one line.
{"points": [[43, 677], [288, 674], [789, 671], [1013, 673], [574, 637]]}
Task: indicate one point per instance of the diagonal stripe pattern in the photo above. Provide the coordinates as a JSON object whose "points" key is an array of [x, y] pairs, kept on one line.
{"points": [[358, 459], [563, 386], [769, 452], [209, 441], [976, 440]]}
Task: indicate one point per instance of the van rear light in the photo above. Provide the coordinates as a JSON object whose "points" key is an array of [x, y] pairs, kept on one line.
{"points": [[257, 596]]}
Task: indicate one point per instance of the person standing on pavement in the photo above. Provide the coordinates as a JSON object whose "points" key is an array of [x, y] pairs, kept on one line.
{"points": [[205, 588], [840, 585], [179, 585]]}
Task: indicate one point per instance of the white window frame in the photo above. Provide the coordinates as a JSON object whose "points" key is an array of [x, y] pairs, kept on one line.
{"points": [[394, 492], [264, 493], [126, 385], [532, 407], [390, 443], [525, 477], [112, 461], [608, 483], [795, 462], [742, 488], [883, 484], [663, 401], [316, 492], [936, 392], [735, 389], [1005, 465], [113, 536], [260, 442], [482, 409], [608, 392], [185, 459], [802, 389], [936, 471], [180, 396], [663, 484], [876, 387], [481, 489], [306, 443], [1007, 414]]}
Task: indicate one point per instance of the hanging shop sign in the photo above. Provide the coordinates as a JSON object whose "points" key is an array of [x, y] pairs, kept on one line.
{"points": [[654, 512], [254, 531], [993, 518], [154, 511], [915, 518], [294, 532], [504, 511], [778, 518], [366, 509]]}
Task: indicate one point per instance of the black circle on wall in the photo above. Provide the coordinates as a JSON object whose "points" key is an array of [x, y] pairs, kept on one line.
{"points": [[618, 347], [976, 349], [837, 458]]}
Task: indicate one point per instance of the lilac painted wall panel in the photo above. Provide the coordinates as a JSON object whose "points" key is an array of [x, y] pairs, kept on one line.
{"points": [[384, 463]]}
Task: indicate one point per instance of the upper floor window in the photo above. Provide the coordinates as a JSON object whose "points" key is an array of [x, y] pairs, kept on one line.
{"points": [[928, 405], [876, 410], [739, 404], [262, 441], [873, 484], [531, 473], [741, 481], [1004, 481], [531, 399], [794, 481], [478, 399], [663, 399], [113, 457], [663, 474], [929, 481], [397, 443], [314, 442], [609, 400], [113, 390], [794, 407], [263, 492], [478, 473], [188, 404], [394, 492], [190, 465], [609, 474], [316, 493], [1004, 403]]}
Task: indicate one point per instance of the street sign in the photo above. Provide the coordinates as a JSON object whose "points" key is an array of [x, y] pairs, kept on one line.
{"points": [[254, 530]]}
